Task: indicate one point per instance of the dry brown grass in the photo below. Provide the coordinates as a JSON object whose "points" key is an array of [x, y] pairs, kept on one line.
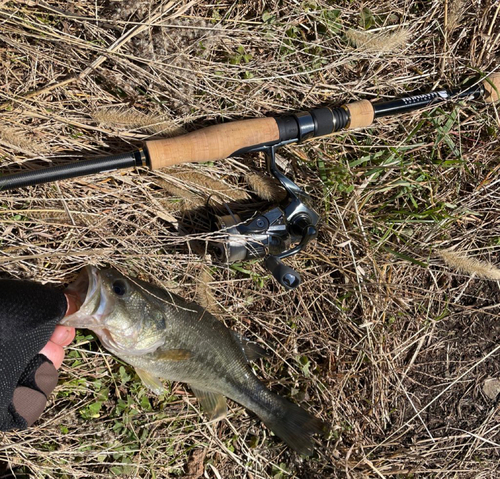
{"points": [[379, 42], [470, 266], [383, 341]]}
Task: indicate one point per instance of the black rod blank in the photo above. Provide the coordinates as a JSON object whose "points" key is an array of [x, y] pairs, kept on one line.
{"points": [[415, 102], [71, 170]]}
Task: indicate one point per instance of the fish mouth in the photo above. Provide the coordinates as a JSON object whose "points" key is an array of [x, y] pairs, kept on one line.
{"points": [[93, 295], [85, 291], [84, 285]]}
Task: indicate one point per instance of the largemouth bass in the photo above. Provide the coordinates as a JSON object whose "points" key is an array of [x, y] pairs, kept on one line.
{"points": [[163, 336]]}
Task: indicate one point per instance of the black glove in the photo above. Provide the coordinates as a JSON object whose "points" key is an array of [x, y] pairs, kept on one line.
{"points": [[29, 313]]}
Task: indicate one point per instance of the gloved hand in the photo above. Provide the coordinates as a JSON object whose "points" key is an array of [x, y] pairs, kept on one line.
{"points": [[29, 313]]}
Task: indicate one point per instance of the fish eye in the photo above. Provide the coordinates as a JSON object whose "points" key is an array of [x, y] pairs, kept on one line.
{"points": [[119, 287]]}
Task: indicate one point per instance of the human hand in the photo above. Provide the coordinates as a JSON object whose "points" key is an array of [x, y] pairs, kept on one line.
{"points": [[31, 348], [62, 336]]}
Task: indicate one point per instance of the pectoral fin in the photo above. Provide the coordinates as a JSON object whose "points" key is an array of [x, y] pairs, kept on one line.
{"points": [[151, 382], [173, 354], [213, 404], [252, 350]]}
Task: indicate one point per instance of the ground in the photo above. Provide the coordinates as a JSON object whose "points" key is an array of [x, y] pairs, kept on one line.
{"points": [[389, 340]]}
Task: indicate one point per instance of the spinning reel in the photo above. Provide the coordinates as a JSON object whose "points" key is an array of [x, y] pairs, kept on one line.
{"points": [[274, 234]]}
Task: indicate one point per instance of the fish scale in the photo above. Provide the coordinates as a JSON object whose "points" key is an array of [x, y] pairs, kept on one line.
{"points": [[165, 337]]}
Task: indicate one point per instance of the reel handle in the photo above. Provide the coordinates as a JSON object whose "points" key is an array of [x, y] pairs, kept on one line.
{"points": [[286, 276]]}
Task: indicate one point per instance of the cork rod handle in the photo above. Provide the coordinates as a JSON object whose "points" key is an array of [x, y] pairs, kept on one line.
{"points": [[361, 113], [212, 143]]}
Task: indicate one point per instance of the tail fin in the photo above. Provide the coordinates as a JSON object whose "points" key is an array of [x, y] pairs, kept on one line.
{"points": [[294, 425]]}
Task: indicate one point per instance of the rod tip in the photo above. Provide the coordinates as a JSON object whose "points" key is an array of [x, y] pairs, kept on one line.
{"points": [[492, 88]]}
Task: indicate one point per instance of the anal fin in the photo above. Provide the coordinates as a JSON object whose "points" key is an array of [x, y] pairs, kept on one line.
{"points": [[213, 404], [151, 382]]}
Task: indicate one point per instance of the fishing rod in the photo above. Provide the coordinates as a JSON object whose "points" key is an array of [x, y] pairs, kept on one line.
{"points": [[281, 231]]}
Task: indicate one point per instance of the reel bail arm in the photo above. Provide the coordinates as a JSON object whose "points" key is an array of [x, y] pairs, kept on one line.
{"points": [[275, 234]]}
